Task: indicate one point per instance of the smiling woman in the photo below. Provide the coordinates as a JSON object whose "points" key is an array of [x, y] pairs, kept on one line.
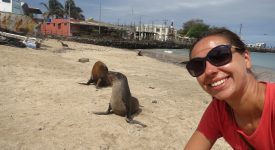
{"points": [[242, 109]]}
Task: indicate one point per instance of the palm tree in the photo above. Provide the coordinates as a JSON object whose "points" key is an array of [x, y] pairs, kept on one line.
{"points": [[72, 10], [54, 9]]}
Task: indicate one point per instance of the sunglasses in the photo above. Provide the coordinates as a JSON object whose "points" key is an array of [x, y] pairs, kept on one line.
{"points": [[218, 56]]}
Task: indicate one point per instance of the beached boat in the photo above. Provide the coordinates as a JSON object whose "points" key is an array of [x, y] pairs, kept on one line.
{"points": [[14, 18], [15, 23]]}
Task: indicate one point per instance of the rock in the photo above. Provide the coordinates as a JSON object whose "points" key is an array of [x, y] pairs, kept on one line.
{"points": [[83, 60], [154, 101]]}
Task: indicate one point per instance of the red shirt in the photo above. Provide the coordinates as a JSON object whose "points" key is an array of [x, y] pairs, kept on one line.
{"points": [[217, 121]]}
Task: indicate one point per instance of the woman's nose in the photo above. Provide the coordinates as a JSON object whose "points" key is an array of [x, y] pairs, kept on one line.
{"points": [[210, 69]]}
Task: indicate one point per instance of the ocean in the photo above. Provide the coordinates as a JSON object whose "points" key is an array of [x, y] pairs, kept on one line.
{"points": [[263, 63], [266, 60]]}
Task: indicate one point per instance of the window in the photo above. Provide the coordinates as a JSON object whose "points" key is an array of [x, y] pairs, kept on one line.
{"points": [[59, 26], [7, 1]]}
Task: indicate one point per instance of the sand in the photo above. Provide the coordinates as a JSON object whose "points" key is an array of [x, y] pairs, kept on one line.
{"points": [[42, 106]]}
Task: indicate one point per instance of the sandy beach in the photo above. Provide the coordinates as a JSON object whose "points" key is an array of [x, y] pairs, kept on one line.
{"points": [[43, 107]]}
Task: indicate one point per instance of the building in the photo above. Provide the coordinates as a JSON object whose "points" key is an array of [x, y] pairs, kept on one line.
{"points": [[72, 27], [17, 7], [257, 45], [12, 6], [90, 28], [155, 32], [260, 45], [57, 27]]}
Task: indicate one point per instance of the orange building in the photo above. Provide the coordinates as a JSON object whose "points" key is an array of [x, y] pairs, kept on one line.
{"points": [[59, 27], [72, 27]]}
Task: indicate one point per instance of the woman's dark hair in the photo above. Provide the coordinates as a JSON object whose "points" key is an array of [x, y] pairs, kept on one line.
{"points": [[232, 37]]}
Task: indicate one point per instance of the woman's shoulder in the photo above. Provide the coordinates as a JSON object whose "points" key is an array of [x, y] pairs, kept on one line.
{"points": [[270, 92], [271, 85], [268, 84]]}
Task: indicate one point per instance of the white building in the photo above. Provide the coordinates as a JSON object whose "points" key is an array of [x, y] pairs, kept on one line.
{"points": [[155, 32], [257, 45], [260, 45], [13, 6]]}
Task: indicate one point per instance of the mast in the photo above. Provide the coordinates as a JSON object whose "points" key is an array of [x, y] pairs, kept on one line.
{"points": [[240, 32]]}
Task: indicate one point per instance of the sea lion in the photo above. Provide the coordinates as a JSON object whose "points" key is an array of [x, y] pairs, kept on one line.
{"points": [[63, 44], [122, 103], [139, 53], [99, 75]]}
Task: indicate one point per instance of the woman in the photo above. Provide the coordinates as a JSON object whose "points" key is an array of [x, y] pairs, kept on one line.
{"points": [[243, 109]]}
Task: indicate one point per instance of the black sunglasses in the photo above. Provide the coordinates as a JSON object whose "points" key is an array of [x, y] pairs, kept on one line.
{"points": [[218, 56]]}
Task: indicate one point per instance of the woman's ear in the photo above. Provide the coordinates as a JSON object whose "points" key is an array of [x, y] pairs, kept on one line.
{"points": [[247, 59]]}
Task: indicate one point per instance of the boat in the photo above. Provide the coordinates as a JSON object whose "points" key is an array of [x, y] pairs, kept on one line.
{"points": [[15, 22], [169, 52]]}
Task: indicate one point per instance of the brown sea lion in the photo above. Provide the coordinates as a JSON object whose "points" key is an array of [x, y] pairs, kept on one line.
{"points": [[63, 44], [139, 53], [99, 75], [122, 103]]}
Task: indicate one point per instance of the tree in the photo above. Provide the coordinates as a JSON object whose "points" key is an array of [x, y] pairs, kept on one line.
{"points": [[72, 10], [54, 9], [194, 28]]}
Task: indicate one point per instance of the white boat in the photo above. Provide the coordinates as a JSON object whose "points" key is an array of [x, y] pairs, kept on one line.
{"points": [[169, 52]]}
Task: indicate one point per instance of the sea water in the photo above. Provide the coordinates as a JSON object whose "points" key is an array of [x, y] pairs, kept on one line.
{"points": [[266, 60], [262, 60], [263, 64]]}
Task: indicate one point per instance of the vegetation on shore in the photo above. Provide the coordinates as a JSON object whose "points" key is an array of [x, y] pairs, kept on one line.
{"points": [[56, 10]]}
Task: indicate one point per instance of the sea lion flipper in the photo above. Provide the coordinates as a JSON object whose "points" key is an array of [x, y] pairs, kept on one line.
{"points": [[128, 108], [90, 81], [131, 121], [104, 113], [101, 113], [82, 83], [98, 83]]}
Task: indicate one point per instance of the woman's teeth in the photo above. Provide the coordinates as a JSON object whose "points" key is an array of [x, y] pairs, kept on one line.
{"points": [[218, 83]]}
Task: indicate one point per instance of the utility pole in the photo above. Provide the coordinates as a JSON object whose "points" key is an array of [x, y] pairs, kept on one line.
{"points": [[69, 23], [165, 22], [99, 16], [132, 17], [240, 32], [139, 28]]}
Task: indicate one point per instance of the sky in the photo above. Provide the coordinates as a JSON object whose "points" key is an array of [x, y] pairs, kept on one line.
{"points": [[257, 17]]}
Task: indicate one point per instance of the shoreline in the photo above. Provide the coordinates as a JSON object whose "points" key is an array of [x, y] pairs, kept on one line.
{"points": [[165, 57], [264, 74]]}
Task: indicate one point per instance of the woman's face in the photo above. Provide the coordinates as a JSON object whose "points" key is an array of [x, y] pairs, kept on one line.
{"points": [[223, 82]]}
